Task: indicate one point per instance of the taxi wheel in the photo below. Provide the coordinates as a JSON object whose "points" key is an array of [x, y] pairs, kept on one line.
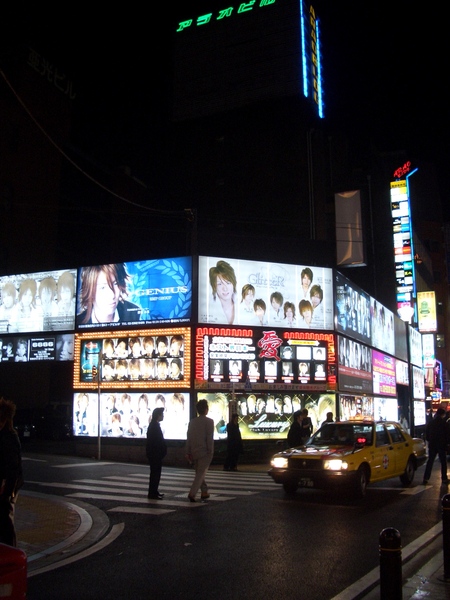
{"points": [[361, 482], [290, 488], [408, 475]]}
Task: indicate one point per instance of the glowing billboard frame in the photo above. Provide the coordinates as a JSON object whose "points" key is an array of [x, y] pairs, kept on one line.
{"points": [[85, 377]]}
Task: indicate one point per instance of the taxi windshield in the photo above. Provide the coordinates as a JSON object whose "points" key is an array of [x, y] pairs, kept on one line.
{"points": [[342, 433]]}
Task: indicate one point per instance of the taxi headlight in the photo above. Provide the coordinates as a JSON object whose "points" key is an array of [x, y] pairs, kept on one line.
{"points": [[279, 462], [336, 464]]}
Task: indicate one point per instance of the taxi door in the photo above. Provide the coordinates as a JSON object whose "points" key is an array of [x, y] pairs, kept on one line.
{"points": [[383, 463], [402, 449]]}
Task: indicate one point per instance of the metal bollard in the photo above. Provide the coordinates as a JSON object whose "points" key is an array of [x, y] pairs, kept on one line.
{"points": [[390, 565], [446, 534]]}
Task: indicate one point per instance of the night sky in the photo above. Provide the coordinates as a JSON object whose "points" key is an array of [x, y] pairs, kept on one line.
{"points": [[382, 72]]}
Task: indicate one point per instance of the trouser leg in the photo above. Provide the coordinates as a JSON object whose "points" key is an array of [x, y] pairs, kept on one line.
{"points": [[201, 465]]}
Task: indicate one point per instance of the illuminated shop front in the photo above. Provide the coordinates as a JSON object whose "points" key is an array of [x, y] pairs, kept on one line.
{"points": [[264, 375], [265, 340]]}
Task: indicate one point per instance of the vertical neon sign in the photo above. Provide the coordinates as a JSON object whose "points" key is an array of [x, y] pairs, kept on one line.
{"points": [[311, 60]]}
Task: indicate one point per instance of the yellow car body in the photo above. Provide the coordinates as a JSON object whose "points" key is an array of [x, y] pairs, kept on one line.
{"points": [[350, 455]]}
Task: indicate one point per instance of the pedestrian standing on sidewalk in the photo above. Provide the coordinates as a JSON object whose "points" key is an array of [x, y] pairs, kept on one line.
{"points": [[200, 449], [10, 471], [156, 450], [234, 444], [437, 434]]}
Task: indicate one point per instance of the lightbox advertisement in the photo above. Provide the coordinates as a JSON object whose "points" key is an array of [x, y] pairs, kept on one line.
{"points": [[135, 293], [142, 358], [354, 366], [383, 331], [258, 360], [36, 302], [128, 414], [243, 292], [265, 415], [20, 349], [352, 310], [383, 368]]}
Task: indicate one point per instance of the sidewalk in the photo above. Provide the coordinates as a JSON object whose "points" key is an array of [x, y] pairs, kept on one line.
{"points": [[52, 530]]}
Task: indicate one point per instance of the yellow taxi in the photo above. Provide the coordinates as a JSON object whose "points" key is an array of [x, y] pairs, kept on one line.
{"points": [[350, 455]]}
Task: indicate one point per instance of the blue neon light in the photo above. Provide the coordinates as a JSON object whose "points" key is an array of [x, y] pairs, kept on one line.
{"points": [[303, 34]]}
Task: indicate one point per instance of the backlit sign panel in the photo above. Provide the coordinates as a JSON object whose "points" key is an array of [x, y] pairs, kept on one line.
{"points": [[265, 415], [354, 366], [249, 293], [20, 349], [36, 302], [403, 248], [428, 351], [353, 315], [128, 414], [143, 358], [135, 293], [383, 369], [415, 346], [262, 359], [418, 383], [383, 330], [426, 310]]}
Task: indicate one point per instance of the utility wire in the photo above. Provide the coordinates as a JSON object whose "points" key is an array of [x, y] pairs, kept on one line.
{"points": [[186, 213]]}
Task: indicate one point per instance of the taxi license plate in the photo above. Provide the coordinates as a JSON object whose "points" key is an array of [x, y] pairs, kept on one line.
{"points": [[306, 482]]}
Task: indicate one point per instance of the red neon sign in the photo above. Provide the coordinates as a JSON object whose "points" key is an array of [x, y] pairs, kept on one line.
{"points": [[406, 168]]}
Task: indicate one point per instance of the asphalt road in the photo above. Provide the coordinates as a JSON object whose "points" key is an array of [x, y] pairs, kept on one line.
{"points": [[249, 541]]}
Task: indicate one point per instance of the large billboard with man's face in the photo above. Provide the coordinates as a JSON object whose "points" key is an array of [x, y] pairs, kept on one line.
{"points": [[135, 293], [244, 292]]}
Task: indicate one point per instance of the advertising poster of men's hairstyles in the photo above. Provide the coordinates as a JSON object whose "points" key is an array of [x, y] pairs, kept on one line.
{"points": [[127, 414], [135, 293], [38, 302], [244, 292]]}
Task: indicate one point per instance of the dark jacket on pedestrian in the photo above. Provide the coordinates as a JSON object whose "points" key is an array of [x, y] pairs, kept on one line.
{"points": [[234, 438], [437, 432], [10, 464], [295, 434], [156, 447]]}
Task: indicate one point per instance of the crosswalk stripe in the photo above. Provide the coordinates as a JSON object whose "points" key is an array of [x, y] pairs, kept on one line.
{"points": [[267, 485], [168, 502], [140, 510]]}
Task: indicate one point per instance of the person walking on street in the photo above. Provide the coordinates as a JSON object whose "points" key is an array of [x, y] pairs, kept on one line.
{"points": [[10, 472], [234, 444], [156, 450], [295, 433], [200, 449], [437, 434]]}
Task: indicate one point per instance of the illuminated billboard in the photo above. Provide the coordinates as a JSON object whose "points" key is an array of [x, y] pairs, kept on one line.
{"points": [[418, 383], [135, 293], [403, 248], [36, 302], [265, 415], [383, 369], [426, 311], [383, 331], [127, 414], [257, 360], [415, 346], [353, 315], [244, 292], [428, 351], [143, 358], [354, 366], [20, 349]]}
